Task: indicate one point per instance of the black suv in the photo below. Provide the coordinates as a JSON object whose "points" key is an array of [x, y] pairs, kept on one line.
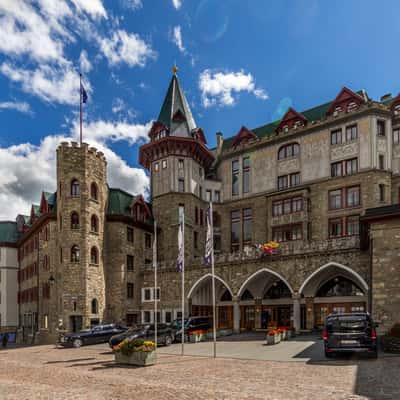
{"points": [[97, 334], [345, 333], [191, 324], [165, 334]]}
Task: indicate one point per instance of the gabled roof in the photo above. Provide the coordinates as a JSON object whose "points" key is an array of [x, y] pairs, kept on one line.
{"points": [[243, 135], [8, 232], [345, 96], [175, 100], [290, 116]]}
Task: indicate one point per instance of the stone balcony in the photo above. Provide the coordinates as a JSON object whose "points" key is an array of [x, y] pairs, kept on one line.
{"points": [[287, 249]]}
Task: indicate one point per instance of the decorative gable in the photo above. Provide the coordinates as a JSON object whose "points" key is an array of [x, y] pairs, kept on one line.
{"points": [[346, 100], [243, 136], [158, 131], [140, 209], [292, 119]]}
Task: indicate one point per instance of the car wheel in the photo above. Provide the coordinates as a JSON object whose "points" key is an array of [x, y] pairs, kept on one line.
{"points": [[168, 341], [77, 343]]}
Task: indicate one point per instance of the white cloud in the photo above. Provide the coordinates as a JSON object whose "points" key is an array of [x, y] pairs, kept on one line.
{"points": [[177, 4], [84, 62], [20, 106], [177, 38], [92, 7], [219, 88], [128, 48], [19, 187], [52, 84], [132, 4]]}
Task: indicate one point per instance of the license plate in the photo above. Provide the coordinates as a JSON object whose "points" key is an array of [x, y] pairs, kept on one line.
{"points": [[349, 341]]}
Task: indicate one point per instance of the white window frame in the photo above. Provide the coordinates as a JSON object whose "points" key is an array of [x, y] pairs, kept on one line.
{"points": [[152, 289]]}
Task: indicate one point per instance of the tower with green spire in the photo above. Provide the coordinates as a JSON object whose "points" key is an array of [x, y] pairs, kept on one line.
{"points": [[178, 159]]}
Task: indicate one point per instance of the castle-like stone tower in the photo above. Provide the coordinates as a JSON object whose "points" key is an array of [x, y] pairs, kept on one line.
{"points": [[81, 205]]}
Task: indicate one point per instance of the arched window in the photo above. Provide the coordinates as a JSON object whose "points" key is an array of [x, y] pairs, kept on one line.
{"points": [[247, 295], [339, 286], [74, 220], [94, 191], [94, 255], [95, 306], [75, 188], [75, 253], [278, 290], [94, 223], [289, 150]]}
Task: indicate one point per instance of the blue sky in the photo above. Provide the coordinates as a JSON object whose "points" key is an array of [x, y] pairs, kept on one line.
{"points": [[240, 63]]}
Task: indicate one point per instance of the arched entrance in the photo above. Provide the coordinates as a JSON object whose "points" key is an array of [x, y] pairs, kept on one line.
{"points": [[333, 288], [200, 300], [265, 300]]}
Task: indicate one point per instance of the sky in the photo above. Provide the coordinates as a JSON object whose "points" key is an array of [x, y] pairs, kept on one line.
{"points": [[240, 63]]}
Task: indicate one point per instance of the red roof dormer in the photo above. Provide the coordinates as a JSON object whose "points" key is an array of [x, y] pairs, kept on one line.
{"points": [[140, 209], [344, 101], [291, 119], [243, 136]]}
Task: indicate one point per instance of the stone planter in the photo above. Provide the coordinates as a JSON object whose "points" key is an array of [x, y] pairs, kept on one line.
{"points": [[273, 339], [140, 358]]}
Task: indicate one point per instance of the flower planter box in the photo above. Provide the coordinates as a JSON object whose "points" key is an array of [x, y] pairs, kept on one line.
{"points": [[273, 339], [140, 358]]}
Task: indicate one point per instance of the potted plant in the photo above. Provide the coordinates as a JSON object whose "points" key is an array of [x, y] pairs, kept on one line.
{"points": [[135, 352], [273, 336], [197, 336]]}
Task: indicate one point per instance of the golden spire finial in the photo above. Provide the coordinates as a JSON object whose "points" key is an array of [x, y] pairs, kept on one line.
{"points": [[174, 69]]}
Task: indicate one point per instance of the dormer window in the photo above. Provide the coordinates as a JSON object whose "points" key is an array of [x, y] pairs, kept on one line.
{"points": [[397, 110], [351, 106], [285, 128], [338, 110]]}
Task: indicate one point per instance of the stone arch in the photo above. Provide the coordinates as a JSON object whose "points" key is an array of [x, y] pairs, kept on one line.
{"points": [[201, 279], [342, 269], [260, 271]]}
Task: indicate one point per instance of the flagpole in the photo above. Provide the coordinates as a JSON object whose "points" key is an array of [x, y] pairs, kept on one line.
{"points": [[155, 282], [80, 105], [183, 282], [213, 282]]}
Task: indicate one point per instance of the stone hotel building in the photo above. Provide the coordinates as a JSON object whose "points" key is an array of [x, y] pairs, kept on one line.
{"points": [[324, 183]]}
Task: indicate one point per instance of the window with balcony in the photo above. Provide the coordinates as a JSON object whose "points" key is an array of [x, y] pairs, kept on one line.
{"points": [[287, 233], [287, 206], [344, 226], [335, 227], [344, 198]]}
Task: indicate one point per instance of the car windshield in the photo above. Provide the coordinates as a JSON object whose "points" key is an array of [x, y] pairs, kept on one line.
{"points": [[347, 324]]}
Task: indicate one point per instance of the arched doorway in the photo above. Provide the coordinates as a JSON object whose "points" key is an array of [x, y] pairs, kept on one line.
{"points": [[200, 300], [265, 300], [333, 288]]}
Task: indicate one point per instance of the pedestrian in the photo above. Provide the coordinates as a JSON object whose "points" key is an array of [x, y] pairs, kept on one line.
{"points": [[5, 339]]}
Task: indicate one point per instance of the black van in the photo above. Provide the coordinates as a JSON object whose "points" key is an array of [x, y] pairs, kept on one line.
{"points": [[345, 333], [191, 324]]}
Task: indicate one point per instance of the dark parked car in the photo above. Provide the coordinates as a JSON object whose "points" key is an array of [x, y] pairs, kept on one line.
{"points": [[191, 324], [97, 334], [165, 334], [346, 333]]}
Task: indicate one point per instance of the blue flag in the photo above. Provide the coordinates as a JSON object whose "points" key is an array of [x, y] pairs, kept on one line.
{"points": [[84, 96], [209, 237]]}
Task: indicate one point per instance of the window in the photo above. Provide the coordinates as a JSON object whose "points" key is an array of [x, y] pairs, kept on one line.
{"points": [[129, 290], [95, 306], [156, 293], [289, 150], [286, 181], [351, 166], [287, 233], [396, 136], [353, 196], [94, 255], [181, 163], [200, 192], [381, 192], [217, 196], [247, 230], [235, 230], [168, 317], [287, 206], [381, 161], [129, 234], [94, 191], [282, 182], [181, 185], [147, 294], [235, 178], [164, 164], [75, 254], [201, 217], [129, 262], [277, 208], [353, 226], [75, 188], [295, 179], [156, 167], [74, 220], [147, 240], [246, 175], [146, 317], [336, 136], [380, 127], [196, 215], [335, 227], [335, 199], [94, 224], [208, 195], [196, 239], [336, 169], [351, 133]]}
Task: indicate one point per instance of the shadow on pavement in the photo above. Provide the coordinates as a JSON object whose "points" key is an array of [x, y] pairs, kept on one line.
{"points": [[68, 361]]}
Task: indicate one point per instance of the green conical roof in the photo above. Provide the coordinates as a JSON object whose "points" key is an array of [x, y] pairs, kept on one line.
{"points": [[175, 102]]}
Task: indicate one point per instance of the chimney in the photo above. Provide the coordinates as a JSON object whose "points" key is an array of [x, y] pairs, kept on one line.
{"points": [[386, 97], [220, 139]]}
